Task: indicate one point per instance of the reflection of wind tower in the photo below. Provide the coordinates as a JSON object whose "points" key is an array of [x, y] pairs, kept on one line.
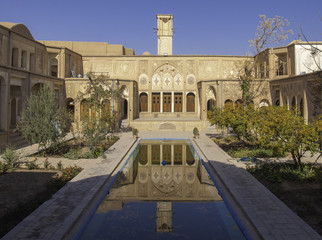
{"points": [[164, 217], [165, 34]]}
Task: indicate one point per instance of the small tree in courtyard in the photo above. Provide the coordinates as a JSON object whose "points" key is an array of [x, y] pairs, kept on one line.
{"points": [[285, 130], [99, 94], [235, 116], [43, 122]]}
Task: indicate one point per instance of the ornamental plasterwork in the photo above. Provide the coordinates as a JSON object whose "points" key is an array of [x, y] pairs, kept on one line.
{"points": [[125, 68], [143, 66], [210, 93], [167, 68], [231, 69], [191, 79], [165, 75], [191, 66], [178, 79], [143, 79], [156, 80], [167, 80], [209, 69]]}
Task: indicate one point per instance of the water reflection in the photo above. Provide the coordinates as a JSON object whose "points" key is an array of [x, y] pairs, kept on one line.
{"points": [[162, 184]]}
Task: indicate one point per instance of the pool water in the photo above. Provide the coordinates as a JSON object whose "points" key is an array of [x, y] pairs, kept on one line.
{"points": [[162, 192]]}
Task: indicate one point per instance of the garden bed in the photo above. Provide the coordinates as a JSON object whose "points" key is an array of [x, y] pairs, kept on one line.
{"points": [[78, 149], [240, 149], [301, 191], [22, 191]]}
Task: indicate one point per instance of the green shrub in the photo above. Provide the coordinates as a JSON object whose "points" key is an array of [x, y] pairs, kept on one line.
{"points": [[46, 164], [135, 132], [59, 165], [73, 153], [195, 132], [11, 159], [32, 164], [278, 172], [258, 153], [66, 175], [4, 167]]}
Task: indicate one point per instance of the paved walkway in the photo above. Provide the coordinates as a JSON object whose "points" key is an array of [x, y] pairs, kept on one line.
{"points": [[260, 211], [55, 218], [271, 218]]}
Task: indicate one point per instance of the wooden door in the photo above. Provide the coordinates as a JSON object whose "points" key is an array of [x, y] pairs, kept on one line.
{"points": [[177, 154], [166, 102], [166, 152], [178, 102], [190, 102], [155, 149], [155, 102], [143, 102]]}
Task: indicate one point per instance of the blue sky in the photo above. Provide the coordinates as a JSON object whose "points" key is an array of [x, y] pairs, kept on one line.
{"points": [[202, 26]]}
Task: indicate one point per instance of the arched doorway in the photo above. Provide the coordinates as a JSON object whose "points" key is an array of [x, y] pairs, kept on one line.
{"points": [[210, 104], [143, 102], [13, 120], [277, 102], [239, 101], [293, 103], [125, 108], [301, 107], [191, 102], [228, 101]]}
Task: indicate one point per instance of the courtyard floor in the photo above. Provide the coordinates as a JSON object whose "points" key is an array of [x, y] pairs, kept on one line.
{"points": [[263, 215]]}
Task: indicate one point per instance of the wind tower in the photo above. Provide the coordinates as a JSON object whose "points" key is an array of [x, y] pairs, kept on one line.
{"points": [[165, 34]]}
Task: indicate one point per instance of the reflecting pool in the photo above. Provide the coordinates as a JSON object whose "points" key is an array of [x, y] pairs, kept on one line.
{"points": [[162, 192]]}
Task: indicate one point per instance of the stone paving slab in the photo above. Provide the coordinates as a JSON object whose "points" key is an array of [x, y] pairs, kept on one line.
{"points": [[270, 216], [56, 216]]}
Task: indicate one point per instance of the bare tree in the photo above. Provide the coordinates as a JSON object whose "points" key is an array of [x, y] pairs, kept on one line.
{"points": [[269, 31]]}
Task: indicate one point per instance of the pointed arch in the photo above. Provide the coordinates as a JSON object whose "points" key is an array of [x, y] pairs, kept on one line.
{"points": [[143, 102], [191, 102]]}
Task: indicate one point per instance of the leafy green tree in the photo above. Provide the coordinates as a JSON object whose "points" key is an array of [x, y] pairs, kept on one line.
{"points": [[235, 116], [275, 128], [285, 130], [99, 94], [43, 122]]}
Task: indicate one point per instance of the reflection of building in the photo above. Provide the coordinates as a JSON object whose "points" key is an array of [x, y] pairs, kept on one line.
{"points": [[164, 217], [161, 92], [148, 178], [181, 178]]}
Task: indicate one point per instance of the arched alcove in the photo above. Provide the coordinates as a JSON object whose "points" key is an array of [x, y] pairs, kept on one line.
{"points": [[264, 103], [210, 104], [143, 102], [191, 102]]}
